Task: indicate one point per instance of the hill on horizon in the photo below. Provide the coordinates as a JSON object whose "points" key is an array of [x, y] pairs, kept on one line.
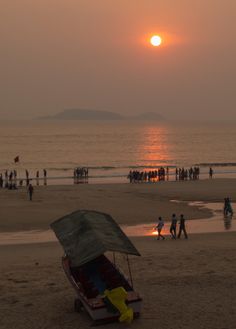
{"points": [[82, 114]]}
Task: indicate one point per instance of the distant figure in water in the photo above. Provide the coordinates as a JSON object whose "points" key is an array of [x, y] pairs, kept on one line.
{"points": [[173, 226], [227, 207], [30, 191], [228, 222], [211, 172], [182, 227], [44, 176], [159, 228], [37, 177]]}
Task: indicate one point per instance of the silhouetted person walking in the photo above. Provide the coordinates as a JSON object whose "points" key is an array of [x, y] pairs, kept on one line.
{"points": [[182, 227], [173, 226], [159, 228], [30, 191]]}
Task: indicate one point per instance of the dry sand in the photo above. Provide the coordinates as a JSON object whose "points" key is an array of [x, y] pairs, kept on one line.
{"points": [[184, 284]]}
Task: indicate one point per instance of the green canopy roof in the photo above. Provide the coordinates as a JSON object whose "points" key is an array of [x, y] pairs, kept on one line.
{"points": [[86, 234]]}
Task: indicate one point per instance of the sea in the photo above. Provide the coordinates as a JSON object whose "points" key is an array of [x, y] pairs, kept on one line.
{"points": [[110, 149]]}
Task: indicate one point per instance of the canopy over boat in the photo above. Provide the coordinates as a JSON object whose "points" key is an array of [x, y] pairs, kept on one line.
{"points": [[86, 234]]}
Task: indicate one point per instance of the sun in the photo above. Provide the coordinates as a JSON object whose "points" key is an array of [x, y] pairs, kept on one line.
{"points": [[156, 40]]}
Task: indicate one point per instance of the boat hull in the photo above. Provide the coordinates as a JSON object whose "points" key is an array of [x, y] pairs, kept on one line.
{"points": [[95, 305]]}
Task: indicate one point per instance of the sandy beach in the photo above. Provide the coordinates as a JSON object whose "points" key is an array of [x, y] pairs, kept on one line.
{"points": [[125, 108], [184, 284]]}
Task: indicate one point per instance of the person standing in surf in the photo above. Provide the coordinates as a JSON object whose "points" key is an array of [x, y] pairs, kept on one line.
{"points": [[227, 207], [210, 173]]}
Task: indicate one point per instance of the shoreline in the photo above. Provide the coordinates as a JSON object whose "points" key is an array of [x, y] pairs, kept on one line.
{"points": [[112, 178]]}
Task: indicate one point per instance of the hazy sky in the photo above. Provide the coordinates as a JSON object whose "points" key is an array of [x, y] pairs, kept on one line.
{"points": [[58, 54]]}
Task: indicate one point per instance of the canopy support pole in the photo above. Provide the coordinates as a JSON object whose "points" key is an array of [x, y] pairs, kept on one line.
{"points": [[130, 274]]}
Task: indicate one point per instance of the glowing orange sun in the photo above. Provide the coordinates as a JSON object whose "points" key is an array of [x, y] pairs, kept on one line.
{"points": [[156, 40]]}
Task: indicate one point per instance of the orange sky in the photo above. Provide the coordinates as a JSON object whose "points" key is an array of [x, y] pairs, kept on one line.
{"points": [[58, 54]]}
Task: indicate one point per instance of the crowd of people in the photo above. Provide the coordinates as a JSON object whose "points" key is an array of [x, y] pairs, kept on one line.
{"points": [[191, 173], [163, 173], [159, 174], [80, 174], [9, 179]]}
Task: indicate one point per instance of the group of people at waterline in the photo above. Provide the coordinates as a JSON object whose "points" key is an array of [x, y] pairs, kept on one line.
{"points": [[173, 227], [163, 173], [10, 178]]}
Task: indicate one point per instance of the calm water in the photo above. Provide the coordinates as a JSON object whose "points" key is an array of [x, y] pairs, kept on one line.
{"points": [[111, 149]]}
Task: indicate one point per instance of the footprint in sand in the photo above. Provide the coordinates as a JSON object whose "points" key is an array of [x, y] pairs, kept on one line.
{"points": [[210, 272], [20, 281], [28, 305], [14, 301], [50, 284]]}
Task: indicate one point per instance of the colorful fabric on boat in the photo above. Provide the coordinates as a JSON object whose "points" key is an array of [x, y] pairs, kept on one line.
{"points": [[117, 297]]}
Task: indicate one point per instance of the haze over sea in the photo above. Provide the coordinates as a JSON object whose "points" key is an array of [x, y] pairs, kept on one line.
{"points": [[111, 148]]}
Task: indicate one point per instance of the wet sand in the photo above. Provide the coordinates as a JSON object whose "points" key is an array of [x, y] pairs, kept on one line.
{"points": [[126, 203], [184, 283], [216, 223]]}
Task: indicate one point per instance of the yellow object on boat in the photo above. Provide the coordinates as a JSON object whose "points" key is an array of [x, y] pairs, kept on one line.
{"points": [[117, 297]]}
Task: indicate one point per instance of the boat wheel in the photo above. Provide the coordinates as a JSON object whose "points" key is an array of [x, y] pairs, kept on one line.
{"points": [[77, 305]]}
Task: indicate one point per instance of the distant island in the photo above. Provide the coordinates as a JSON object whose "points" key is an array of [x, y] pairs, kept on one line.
{"points": [[81, 114]]}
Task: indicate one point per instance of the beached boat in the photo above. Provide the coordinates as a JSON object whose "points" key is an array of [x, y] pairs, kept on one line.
{"points": [[102, 289]]}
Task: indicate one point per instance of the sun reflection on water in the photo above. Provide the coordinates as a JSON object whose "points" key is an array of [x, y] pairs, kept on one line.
{"points": [[154, 147]]}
